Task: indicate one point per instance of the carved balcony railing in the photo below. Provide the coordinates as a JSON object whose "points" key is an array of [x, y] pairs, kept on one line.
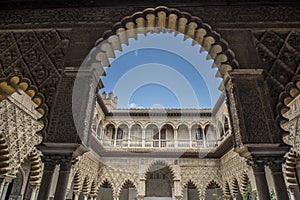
{"points": [[181, 144], [162, 143]]}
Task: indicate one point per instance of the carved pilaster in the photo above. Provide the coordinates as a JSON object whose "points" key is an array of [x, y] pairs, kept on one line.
{"points": [[177, 189], [141, 188], [250, 111]]}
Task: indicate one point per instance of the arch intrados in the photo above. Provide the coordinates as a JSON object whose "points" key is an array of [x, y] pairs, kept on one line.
{"points": [[196, 125], [123, 124], [152, 125], [183, 125], [110, 124], [210, 183], [292, 90], [130, 182], [190, 182], [168, 125], [106, 184], [136, 124], [159, 18], [162, 163]]}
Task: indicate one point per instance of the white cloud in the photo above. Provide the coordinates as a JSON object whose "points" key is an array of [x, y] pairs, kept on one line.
{"points": [[132, 105]]}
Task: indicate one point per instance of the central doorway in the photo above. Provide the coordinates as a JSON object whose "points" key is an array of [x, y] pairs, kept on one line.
{"points": [[159, 183]]}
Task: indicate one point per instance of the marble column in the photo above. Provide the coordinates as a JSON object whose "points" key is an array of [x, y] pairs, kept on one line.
{"points": [[204, 137], [5, 181], [279, 182], [34, 192], [190, 137], [115, 137], [175, 138], [260, 180], [85, 197], [129, 135], [2, 186], [76, 195], [292, 194], [63, 178], [159, 138], [45, 187], [143, 137], [4, 191]]}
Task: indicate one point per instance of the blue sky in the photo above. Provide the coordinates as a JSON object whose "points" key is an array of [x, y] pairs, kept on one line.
{"points": [[164, 71]]}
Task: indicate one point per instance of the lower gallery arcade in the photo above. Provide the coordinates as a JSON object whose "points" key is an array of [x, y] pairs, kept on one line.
{"points": [[171, 167]]}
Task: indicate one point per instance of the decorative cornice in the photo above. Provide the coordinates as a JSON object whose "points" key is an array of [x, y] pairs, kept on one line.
{"points": [[216, 13]]}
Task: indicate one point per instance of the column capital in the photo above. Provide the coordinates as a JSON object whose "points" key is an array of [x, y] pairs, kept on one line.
{"points": [[7, 178], [179, 197], [257, 164], [50, 161], [275, 165], [140, 197]]}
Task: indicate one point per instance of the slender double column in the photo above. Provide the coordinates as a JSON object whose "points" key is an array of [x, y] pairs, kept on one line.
{"points": [[49, 166], [65, 165], [260, 179], [279, 182], [34, 192], [4, 185]]}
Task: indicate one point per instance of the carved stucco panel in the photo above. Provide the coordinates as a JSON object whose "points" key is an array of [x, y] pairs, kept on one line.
{"points": [[19, 124]]}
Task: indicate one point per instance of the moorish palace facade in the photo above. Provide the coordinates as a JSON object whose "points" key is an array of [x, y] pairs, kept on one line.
{"points": [[57, 144]]}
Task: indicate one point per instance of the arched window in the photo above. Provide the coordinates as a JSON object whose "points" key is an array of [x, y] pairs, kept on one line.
{"points": [[226, 126], [198, 134], [167, 136], [183, 136], [99, 130], [136, 136], [152, 136], [119, 134], [221, 131]]}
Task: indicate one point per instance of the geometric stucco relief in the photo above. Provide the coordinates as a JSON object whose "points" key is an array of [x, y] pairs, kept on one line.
{"points": [[37, 55], [280, 54]]}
